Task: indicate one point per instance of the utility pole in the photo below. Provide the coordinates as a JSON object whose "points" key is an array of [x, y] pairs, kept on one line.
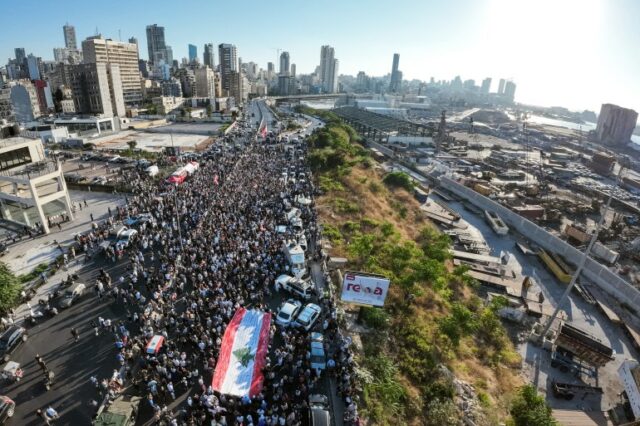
{"points": [[583, 260]]}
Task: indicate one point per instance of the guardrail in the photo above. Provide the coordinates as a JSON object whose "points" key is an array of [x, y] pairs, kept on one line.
{"points": [[607, 280]]}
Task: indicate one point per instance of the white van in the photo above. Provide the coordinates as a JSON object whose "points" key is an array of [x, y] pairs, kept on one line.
{"points": [[301, 288]]}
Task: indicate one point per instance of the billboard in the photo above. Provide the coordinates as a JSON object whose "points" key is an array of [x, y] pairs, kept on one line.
{"points": [[364, 289]]}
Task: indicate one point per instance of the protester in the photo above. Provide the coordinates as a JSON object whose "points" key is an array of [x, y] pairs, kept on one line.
{"points": [[209, 248]]}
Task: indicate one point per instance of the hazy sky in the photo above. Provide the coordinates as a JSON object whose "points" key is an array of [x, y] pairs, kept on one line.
{"points": [[574, 53]]}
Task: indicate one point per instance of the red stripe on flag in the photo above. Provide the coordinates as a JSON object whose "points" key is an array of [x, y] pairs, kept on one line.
{"points": [[225, 350], [257, 379]]}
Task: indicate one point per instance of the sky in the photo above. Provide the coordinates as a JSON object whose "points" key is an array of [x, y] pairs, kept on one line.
{"points": [[573, 53]]}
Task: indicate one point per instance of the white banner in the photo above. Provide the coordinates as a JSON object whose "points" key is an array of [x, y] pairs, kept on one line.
{"points": [[364, 289]]}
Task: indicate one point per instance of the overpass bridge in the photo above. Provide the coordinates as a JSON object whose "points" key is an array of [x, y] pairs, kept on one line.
{"points": [[379, 126]]}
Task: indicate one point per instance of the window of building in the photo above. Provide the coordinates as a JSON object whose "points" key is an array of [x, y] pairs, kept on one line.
{"points": [[15, 158]]}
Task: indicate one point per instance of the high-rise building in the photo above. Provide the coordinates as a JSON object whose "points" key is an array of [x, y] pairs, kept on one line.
{"points": [[33, 65], [97, 89], [20, 55], [228, 58], [615, 124], [486, 86], [510, 91], [193, 52], [284, 63], [205, 83], [208, 56], [501, 86], [133, 40], [328, 69], [270, 67], [396, 75], [70, 37], [125, 55], [24, 101], [293, 70], [156, 46]]}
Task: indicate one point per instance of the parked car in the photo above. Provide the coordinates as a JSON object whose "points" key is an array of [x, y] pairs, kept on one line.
{"points": [[287, 312], [318, 356], [297, 286], [7, 408], [308, 317], [71, 295], [319, 410], [10, 340]]}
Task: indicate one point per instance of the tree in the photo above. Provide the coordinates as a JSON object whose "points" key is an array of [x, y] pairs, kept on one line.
{"points": [[9, 288], [209, 110], [530, 409], [132, 145]]}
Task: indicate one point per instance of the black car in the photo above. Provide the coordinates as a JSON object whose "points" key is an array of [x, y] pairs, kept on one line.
{"points": [[7, 408], [10, 339]]}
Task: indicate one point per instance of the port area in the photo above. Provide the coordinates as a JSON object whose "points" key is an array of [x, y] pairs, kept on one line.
{"points": [[533, 293]]}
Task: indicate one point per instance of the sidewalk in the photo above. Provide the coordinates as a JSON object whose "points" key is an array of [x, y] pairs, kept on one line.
{"points": [[26, 255]]}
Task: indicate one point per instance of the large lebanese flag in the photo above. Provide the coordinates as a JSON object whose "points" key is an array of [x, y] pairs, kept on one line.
{"points": [[242, 354]]}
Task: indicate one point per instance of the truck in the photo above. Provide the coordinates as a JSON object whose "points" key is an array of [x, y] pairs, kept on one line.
{"points": [[295, 257]]}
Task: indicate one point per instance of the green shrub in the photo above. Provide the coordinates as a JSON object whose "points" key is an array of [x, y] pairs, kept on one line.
{"points": [[343, 206], [332, 233], [375, 318], [530, 409], [399, 180]]}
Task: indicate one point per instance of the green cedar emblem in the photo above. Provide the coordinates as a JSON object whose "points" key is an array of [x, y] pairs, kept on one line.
{"points": [[244, 355]]}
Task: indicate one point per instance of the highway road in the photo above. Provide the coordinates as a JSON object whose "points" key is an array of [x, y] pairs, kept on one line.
{"points": [[72, 363], [94, 355]]}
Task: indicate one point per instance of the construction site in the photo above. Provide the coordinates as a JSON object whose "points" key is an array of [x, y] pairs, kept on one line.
{"points": [[547, 219]]}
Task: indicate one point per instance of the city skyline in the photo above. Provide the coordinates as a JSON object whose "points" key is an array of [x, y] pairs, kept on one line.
{"points": [[578, 58]]}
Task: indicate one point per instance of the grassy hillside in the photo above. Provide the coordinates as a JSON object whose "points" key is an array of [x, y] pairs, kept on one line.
{"points": [[432, 317]]}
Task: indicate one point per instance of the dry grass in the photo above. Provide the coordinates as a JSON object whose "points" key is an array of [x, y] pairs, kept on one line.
{"points": [[382, 204]]}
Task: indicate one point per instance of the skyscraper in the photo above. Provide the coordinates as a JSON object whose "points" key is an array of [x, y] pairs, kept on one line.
{"points": [[293, 70], [158, 49], [33, 67], [228, 57], [125, 55], [133, 40], [193, 52], [501, 86], [396, 75], [510, 90], [284, 63], [20, 55], [208, 57], [328, 69], [486, 86], [70, 37]]}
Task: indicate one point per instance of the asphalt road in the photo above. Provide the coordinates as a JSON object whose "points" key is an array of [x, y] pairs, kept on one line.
{"points": [[72, 363]]}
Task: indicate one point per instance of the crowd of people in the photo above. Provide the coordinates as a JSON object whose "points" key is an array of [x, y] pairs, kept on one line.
{"points": [[209, 247]]}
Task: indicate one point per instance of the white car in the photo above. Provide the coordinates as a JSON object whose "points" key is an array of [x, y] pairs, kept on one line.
{"points": [[126, 237], [288, 312], [308, 317]]}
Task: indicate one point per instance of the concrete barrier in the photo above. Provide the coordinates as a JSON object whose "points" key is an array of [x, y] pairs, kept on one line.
{"points": [[593, 270]]}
